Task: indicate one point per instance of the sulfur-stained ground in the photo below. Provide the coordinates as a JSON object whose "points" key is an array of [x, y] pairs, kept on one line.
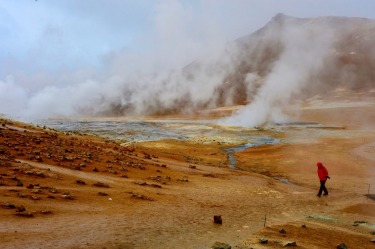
{"points": [[70, 190]]}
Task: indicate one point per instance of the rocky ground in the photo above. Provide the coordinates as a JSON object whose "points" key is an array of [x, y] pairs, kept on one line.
{"points": [[71, 190]]}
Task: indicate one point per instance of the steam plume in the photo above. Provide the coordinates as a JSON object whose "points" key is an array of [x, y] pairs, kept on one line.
{"points": [[287, 60]]}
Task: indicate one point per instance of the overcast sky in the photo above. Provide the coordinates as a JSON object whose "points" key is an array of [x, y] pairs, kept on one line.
{"points": [[53, 35], [64, 43]]}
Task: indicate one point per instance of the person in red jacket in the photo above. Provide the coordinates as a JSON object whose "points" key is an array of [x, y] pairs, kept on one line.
{"points": [[323, 176]]}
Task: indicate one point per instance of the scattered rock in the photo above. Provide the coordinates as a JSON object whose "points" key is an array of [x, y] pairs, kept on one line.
{"points": [[141, 197], [80, 182], [372, 232], [304, 226], [7, 205], [53, 190], [341, 246], [360, 222], [37, 191], [25, 214], [263, 240], [102, 194], [210, 175], [220, 245], [218, 219], [19, 184], [282, 230], [30, 186], [22, 195], [293, 243], [67, 196], [35, 198], [46, 212], [162, 179], [20, 209], [183, 180], [101, 185], [147, 184], [112, 171]]}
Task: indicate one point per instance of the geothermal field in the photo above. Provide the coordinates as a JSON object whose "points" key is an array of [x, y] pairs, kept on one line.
{"points": [[219, 154], [158, 183]]}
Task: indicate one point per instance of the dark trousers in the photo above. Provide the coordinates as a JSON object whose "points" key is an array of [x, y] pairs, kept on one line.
{"points": [[323, 188]]}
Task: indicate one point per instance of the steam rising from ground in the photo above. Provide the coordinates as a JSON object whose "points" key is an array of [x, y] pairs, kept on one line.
{"points": [[267, 71], [304, 51]]}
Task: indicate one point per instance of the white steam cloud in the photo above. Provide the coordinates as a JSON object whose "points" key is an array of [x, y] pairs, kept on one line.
{"points": [[176, 72], [305, 50]]}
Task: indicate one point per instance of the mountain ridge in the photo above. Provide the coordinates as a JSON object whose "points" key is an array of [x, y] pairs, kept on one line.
{"points": [[296, 57]]}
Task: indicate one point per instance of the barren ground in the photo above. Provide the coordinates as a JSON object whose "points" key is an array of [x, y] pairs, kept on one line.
{"points": [[164, 194]]}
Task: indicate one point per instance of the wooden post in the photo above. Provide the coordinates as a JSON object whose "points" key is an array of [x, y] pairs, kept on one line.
{"points": [[368, 191], [265, 219], [218, 219]]}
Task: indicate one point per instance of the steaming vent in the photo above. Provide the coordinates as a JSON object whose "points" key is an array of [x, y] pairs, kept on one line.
{"points": [[288, 60]]}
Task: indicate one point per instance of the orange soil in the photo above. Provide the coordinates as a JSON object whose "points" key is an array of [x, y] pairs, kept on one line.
{"points": [[164, 194]]}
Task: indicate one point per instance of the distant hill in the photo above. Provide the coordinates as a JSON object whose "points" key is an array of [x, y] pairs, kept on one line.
{"points": [[288, 58], [348, 60]]}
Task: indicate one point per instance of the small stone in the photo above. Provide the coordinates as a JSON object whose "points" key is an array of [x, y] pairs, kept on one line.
{"points": [[35, 198], [53, 190], [25, 214], [341, 246], [100, 184], [293, 243], [282, 230], [46, 212], [102, 194], [263, 240], [304, 226], [7, 205], [22, 195], [372, 232], [112, 171], [373, 240], [67, 196], [220, 245], [80, 182], [141, 197], [20, 209]]}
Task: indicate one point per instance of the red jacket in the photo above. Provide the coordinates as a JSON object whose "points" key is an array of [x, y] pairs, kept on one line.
{"points": [[322, 172]]}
